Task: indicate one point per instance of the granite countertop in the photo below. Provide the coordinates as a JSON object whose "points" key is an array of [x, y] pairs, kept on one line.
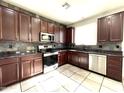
{"points": [[20, 54], [14, 54], [100, 52]]}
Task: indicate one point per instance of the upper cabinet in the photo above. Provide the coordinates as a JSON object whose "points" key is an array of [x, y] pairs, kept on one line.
{"points": [[62, 34], [24, 27], [35, 29], [70, 35], [44, 26], [102, 34], [110, 28], [8, 24], [116, 27], [50, 28], [57, 34]]}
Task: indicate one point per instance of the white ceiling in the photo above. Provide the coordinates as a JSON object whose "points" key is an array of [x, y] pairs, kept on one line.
{"points": [[79, 10]]}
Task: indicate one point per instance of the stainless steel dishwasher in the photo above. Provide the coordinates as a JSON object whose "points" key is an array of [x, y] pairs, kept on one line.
{"points": [[97, 63]]}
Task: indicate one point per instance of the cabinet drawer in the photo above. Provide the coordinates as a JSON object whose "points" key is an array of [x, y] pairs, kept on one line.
{"points": [[8, 60], [115, 60], [31, 57]]}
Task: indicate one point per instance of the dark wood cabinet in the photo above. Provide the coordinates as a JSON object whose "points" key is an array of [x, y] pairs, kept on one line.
{"points": [[26, 69], [35, 29], [79, 59], [62, 58], [62, 34], [37, 65], [73, 58], [102, 34], [114, 67], [24, 27], [57, 33], [9, 71], [70, 32], [8, 24], [31, 65], [116, 27], [44, 26], [50, 28], [83, 60], [110, 28]]}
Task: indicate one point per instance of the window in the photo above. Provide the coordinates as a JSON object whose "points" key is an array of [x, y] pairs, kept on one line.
{"points": [[86, 34]]}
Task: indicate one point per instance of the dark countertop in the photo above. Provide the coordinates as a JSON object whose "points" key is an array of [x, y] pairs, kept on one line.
{"points": [[103, 52], [100, 52], [11, 55]]}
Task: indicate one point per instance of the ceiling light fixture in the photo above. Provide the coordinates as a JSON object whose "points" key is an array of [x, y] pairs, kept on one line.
{"points": [[66, 5]]}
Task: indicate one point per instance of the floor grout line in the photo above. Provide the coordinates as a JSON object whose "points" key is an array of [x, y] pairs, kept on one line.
{"points": [[101, 84]]}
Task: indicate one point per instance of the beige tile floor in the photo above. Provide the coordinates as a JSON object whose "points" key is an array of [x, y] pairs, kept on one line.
{"points": [[67, 78]]}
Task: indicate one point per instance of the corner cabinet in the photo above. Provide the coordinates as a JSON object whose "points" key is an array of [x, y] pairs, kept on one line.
{"points": [[24, 27], [79, 59], [8, 24], [57, 33], [9, 71], [70, 33], [62, 34], [62, 58], [110, 28]]}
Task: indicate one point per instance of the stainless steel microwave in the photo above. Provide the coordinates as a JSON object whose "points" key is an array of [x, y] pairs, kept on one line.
{"points": [[46, 37]]}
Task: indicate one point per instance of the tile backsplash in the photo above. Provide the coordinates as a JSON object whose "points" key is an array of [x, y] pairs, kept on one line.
{"points": [[17, 46], [106, 46], [8, 46]]}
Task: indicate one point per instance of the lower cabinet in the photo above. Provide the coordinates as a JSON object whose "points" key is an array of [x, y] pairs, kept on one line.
{"points": [[114, 67], [9, 71], [83, 60], [30, 65], [37, 66], [62, 58], [26, 68], [79, 59]]}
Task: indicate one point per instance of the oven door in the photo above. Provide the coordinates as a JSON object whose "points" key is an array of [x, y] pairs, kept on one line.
{"points": [[50, 59]]}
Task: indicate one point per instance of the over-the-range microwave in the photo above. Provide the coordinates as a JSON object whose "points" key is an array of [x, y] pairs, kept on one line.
{"points": [[46, 37]]}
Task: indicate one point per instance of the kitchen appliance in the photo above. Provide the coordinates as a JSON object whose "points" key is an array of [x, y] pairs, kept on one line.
{"points": [[97, 63], [50, 57], [45, 37]]}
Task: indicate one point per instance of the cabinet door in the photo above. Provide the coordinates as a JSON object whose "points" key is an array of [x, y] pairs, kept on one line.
{"points": [[24, 27], [50, 28], [35, 29], [114, 67], [44, 26], [9, 24], [38, 66], [70, 35], [62, 34], [69, 57], [26, 69], [62, 58], [83, 60], [57, 34], [116, 27], [103, 30], [9, 74]]}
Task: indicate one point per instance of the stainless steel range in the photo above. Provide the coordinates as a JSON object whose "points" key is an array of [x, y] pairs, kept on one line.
{"points": [[50, 57]]}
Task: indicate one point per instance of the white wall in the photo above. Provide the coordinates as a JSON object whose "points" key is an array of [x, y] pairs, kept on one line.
{"points": [[86, 34]]}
